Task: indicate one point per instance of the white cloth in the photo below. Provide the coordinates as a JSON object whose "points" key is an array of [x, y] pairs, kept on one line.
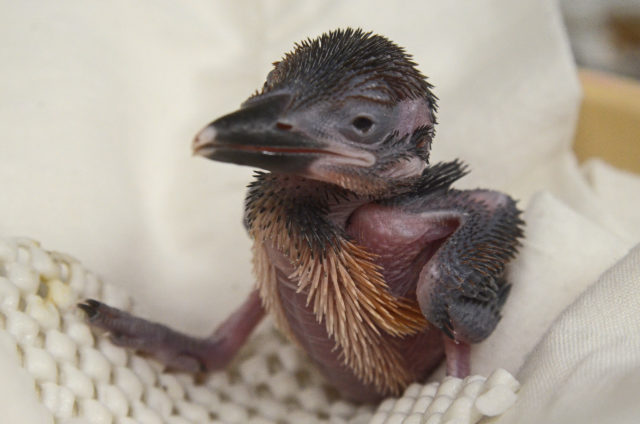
{"points": [[99, 102], [586, 369]]}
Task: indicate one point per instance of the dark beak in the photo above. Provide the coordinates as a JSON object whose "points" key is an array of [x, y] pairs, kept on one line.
{"points": [[256, 135]]}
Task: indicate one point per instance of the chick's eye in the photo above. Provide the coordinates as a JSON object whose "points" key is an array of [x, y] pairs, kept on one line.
{"points": [[362, 124]]}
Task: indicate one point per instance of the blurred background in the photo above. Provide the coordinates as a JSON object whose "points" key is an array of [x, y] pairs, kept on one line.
{"points": [[605, 34], [605, 40]]}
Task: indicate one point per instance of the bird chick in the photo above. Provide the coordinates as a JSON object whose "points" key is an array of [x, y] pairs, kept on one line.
{"points": [[363, 253]]}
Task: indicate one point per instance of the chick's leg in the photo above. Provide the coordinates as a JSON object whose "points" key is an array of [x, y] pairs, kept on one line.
{"points": [[177, 350]]}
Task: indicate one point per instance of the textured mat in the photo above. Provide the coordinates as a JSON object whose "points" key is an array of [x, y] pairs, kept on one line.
{"points": [[82, 378]]}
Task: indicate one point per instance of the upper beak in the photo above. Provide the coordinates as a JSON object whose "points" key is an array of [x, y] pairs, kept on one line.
{"points": [[255, 135]]}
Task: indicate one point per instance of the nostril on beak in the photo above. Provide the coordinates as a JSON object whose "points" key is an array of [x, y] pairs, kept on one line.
{"points": [[283, 126]]}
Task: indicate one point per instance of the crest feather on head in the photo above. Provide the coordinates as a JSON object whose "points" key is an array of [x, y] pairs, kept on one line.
{"points": [[349, 63]]}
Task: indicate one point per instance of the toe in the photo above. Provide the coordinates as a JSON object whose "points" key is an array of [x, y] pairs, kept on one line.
{"points": [[91, 307]]}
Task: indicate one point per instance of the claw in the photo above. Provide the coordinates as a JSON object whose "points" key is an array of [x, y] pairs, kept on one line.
{"points": [[90, 307]]}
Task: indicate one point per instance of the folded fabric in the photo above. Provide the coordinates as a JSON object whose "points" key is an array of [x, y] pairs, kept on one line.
{"points": [[587, 367]]}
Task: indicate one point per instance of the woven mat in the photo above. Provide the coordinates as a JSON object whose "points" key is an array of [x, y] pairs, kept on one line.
{"points": [[83, 378]]}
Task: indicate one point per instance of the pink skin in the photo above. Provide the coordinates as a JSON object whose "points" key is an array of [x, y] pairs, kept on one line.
{"points": [[408, 238], [422, 352], [358, 121], [408, 243], [403, 241], [458, 356], [174, 349]]}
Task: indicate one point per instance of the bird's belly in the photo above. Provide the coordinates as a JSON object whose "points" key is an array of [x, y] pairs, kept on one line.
{"points": [[420, 353]]}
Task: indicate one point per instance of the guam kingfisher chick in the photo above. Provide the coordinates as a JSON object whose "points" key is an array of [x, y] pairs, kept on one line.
{"points": [[364, 254]]}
